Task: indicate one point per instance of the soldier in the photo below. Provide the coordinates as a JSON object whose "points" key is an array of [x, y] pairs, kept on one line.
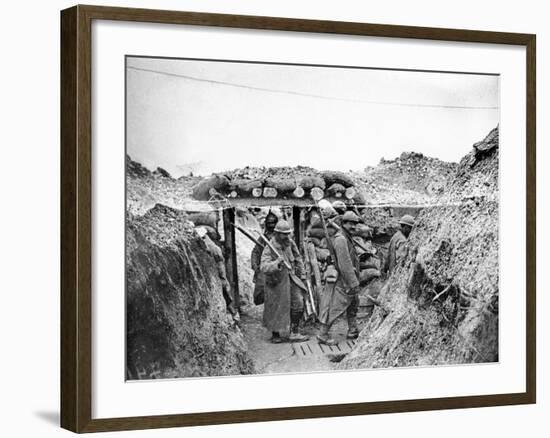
{"points": [[256, 256], [215, 251], [351, 312], [340, 294], [398, 244], [284, 301]]}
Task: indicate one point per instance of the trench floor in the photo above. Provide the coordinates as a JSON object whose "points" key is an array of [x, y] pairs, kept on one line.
{"points": [[288, 357]]}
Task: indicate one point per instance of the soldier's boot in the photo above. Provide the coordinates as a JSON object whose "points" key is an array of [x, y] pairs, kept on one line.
{"points": [[295, 335], [276, 338], [324, 337], [353, 330]]}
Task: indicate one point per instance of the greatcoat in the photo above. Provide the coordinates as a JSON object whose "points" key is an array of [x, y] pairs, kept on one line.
{"points": [[397, 251], [337, 296], [282, 294], [255, 260]]}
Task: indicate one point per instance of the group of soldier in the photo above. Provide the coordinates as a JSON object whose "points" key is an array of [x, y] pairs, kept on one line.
{"points": [[340, 259]]}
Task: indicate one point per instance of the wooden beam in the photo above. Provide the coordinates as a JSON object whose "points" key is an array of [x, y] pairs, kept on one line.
{"points": [[296, 212], [231, 254]]}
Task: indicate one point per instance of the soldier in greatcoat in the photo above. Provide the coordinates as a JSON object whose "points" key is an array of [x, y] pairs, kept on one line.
{"points": [[342, 290], [256, 258], [397, 249], [283, 290]]}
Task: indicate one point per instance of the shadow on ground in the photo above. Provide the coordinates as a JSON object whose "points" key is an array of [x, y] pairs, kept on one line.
{"points": [[51, 417]]}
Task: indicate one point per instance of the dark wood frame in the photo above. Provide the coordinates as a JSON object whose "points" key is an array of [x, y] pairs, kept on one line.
{"points": [[76, 225]]}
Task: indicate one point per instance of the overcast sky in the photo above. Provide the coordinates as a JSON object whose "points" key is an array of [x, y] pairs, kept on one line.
{"points": [[211, 116]]}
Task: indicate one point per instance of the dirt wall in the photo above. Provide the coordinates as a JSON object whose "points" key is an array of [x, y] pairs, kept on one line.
{"points": [[177, 324], [443, 296]]}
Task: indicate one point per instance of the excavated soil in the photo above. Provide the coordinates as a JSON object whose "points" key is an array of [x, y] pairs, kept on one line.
{"points": [[444, 296], [177, 324]]}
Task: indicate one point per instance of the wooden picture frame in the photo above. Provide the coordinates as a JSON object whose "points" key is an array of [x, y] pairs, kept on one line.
{"points": [[76, 217]]}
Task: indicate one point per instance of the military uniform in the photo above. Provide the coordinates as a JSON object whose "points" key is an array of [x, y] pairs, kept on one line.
{"points": [[283, 293], [255, 261], [397, 250], [341, 293], [337, 297]]}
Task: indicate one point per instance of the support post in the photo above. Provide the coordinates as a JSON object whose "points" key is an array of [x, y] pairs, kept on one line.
{"points": [[231, 254], [296, 217]]}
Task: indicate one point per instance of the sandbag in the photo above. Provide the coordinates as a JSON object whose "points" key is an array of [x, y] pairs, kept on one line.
{"points": [[209, 219], [320, 232], [367, 275], [317, 223], [370, 263], [201, 191], [333, 176], [281, 184], [336, 189], [310, 181], [315, 240], [245, 186]]}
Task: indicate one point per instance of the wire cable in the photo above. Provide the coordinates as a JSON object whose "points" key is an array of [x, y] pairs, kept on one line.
{"points": [[314, 96]]}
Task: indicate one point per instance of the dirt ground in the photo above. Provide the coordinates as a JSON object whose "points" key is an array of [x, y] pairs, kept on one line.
{"points": [[293, 357]]}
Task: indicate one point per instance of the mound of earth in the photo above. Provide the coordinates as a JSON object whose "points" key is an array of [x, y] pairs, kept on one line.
{"points": [[410, 179], [145, 188], [444, 295], [177, 324]]}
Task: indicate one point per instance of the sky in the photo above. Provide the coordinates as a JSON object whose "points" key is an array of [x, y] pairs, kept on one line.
{"points": [[211, 116]]}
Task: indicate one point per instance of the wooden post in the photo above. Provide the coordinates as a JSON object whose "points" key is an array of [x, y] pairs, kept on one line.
{"points": [[296, 217], [231, 254]]}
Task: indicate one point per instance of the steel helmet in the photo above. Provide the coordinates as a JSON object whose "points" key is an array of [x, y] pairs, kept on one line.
{"points": [[407, 220], [350, 216], [283, 227]]}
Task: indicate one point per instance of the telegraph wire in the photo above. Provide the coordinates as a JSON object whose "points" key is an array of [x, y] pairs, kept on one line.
{"points": [[314, 96]]}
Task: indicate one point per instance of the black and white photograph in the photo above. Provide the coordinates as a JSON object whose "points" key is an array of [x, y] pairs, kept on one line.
{"points": [[295, 218]]}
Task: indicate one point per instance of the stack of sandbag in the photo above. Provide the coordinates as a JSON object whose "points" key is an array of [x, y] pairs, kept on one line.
{"points": [[206, 219], [369, 261], [308, 182], [316, 229], [204, 189], [244, 186], [282, 185], [332, 177]]}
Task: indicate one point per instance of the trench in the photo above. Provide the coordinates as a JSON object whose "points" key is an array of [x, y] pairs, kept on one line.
{"points": [[309, 356]]}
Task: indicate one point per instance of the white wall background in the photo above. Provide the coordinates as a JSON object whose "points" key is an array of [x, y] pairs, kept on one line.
{"points": [[29, 178]]}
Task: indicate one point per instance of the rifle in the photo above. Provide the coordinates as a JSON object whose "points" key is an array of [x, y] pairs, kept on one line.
{"points": [[248, 234], [335, 260], [308, 278]]}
